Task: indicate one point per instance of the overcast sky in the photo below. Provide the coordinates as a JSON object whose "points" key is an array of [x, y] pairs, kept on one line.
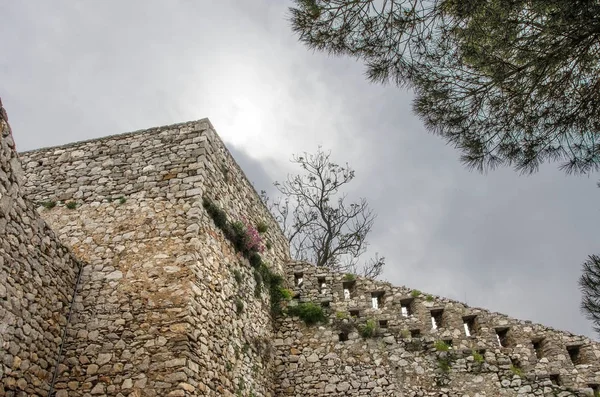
{"points": [[78, 70]]}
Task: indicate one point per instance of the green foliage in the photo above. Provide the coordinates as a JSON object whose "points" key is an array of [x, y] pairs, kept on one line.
{"points": [[71, 205], [237, 275], [441, 346], [308, 312], [262, 227], [516, 371], [239, 306], [429, 298], [349, 277], [274, 283], [228, 366], [285, 293], [237, 233], [415, 293], [589, 284], [405, 334], [506, 83], [245, 348], [368, 329], [444, 364], [341, 315], [48, 204], [244, 238], [255, 260], [122, 200], [478, 357], [268, 245], [259, 283], [218, 215]]}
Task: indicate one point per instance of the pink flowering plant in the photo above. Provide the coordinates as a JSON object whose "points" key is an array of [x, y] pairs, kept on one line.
{"points": [[254, 242]]}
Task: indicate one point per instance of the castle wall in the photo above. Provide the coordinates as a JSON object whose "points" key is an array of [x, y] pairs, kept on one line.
{"points": [[404, 356], [156, 313], [166, 307], [37, 277]]}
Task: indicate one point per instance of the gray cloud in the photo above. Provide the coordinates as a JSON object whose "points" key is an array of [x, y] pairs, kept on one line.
{"points": [[514, 244]]}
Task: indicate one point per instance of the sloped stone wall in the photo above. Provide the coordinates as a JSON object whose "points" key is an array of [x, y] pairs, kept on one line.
{"points": [[37, 279], [405, 356], [157, 311]]}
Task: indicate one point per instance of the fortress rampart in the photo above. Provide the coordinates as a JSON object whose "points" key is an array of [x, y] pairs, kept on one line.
{"points": [[116, 281]]}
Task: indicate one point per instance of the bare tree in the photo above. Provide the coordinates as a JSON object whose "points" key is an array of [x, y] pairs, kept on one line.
{"points": [[323, 227]]}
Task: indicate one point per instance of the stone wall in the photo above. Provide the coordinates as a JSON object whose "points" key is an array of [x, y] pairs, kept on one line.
{"points": [[157, 312], [165, 306], [37, 278], [406, 356]]}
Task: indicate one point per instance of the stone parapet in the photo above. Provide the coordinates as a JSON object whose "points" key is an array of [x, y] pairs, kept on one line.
{"points": [[467, 351]]}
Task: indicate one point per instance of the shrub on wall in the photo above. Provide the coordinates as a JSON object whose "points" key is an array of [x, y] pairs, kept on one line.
{"points": [[441, 346], [262, 227], [478, 357], [308, 312], [349, 277], [218, 215], [48, 204], [247, 241], [368, 329]]}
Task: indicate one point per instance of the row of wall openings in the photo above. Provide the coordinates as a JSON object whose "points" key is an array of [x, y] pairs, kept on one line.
{"points": [[573, 350], [437, 320]]}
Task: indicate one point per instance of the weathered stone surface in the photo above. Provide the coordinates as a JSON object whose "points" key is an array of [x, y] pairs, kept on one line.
{"points": [[154, 309], [37, 278], [155, 313], [404, 357]]}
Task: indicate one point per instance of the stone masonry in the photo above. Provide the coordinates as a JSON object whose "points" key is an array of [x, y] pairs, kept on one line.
{"points": [[37, 279], [407, 355], [114, 281]]}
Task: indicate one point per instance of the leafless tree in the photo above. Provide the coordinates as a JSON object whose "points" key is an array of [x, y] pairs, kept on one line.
{"points": [[323, 227]]}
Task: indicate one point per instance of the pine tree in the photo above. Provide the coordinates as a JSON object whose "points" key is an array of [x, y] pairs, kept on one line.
{"points": [[511, 82], [590, 289]]}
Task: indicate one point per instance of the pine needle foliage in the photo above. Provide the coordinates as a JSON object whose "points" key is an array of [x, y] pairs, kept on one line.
{"points": [[589, 283], [508, 83]]}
